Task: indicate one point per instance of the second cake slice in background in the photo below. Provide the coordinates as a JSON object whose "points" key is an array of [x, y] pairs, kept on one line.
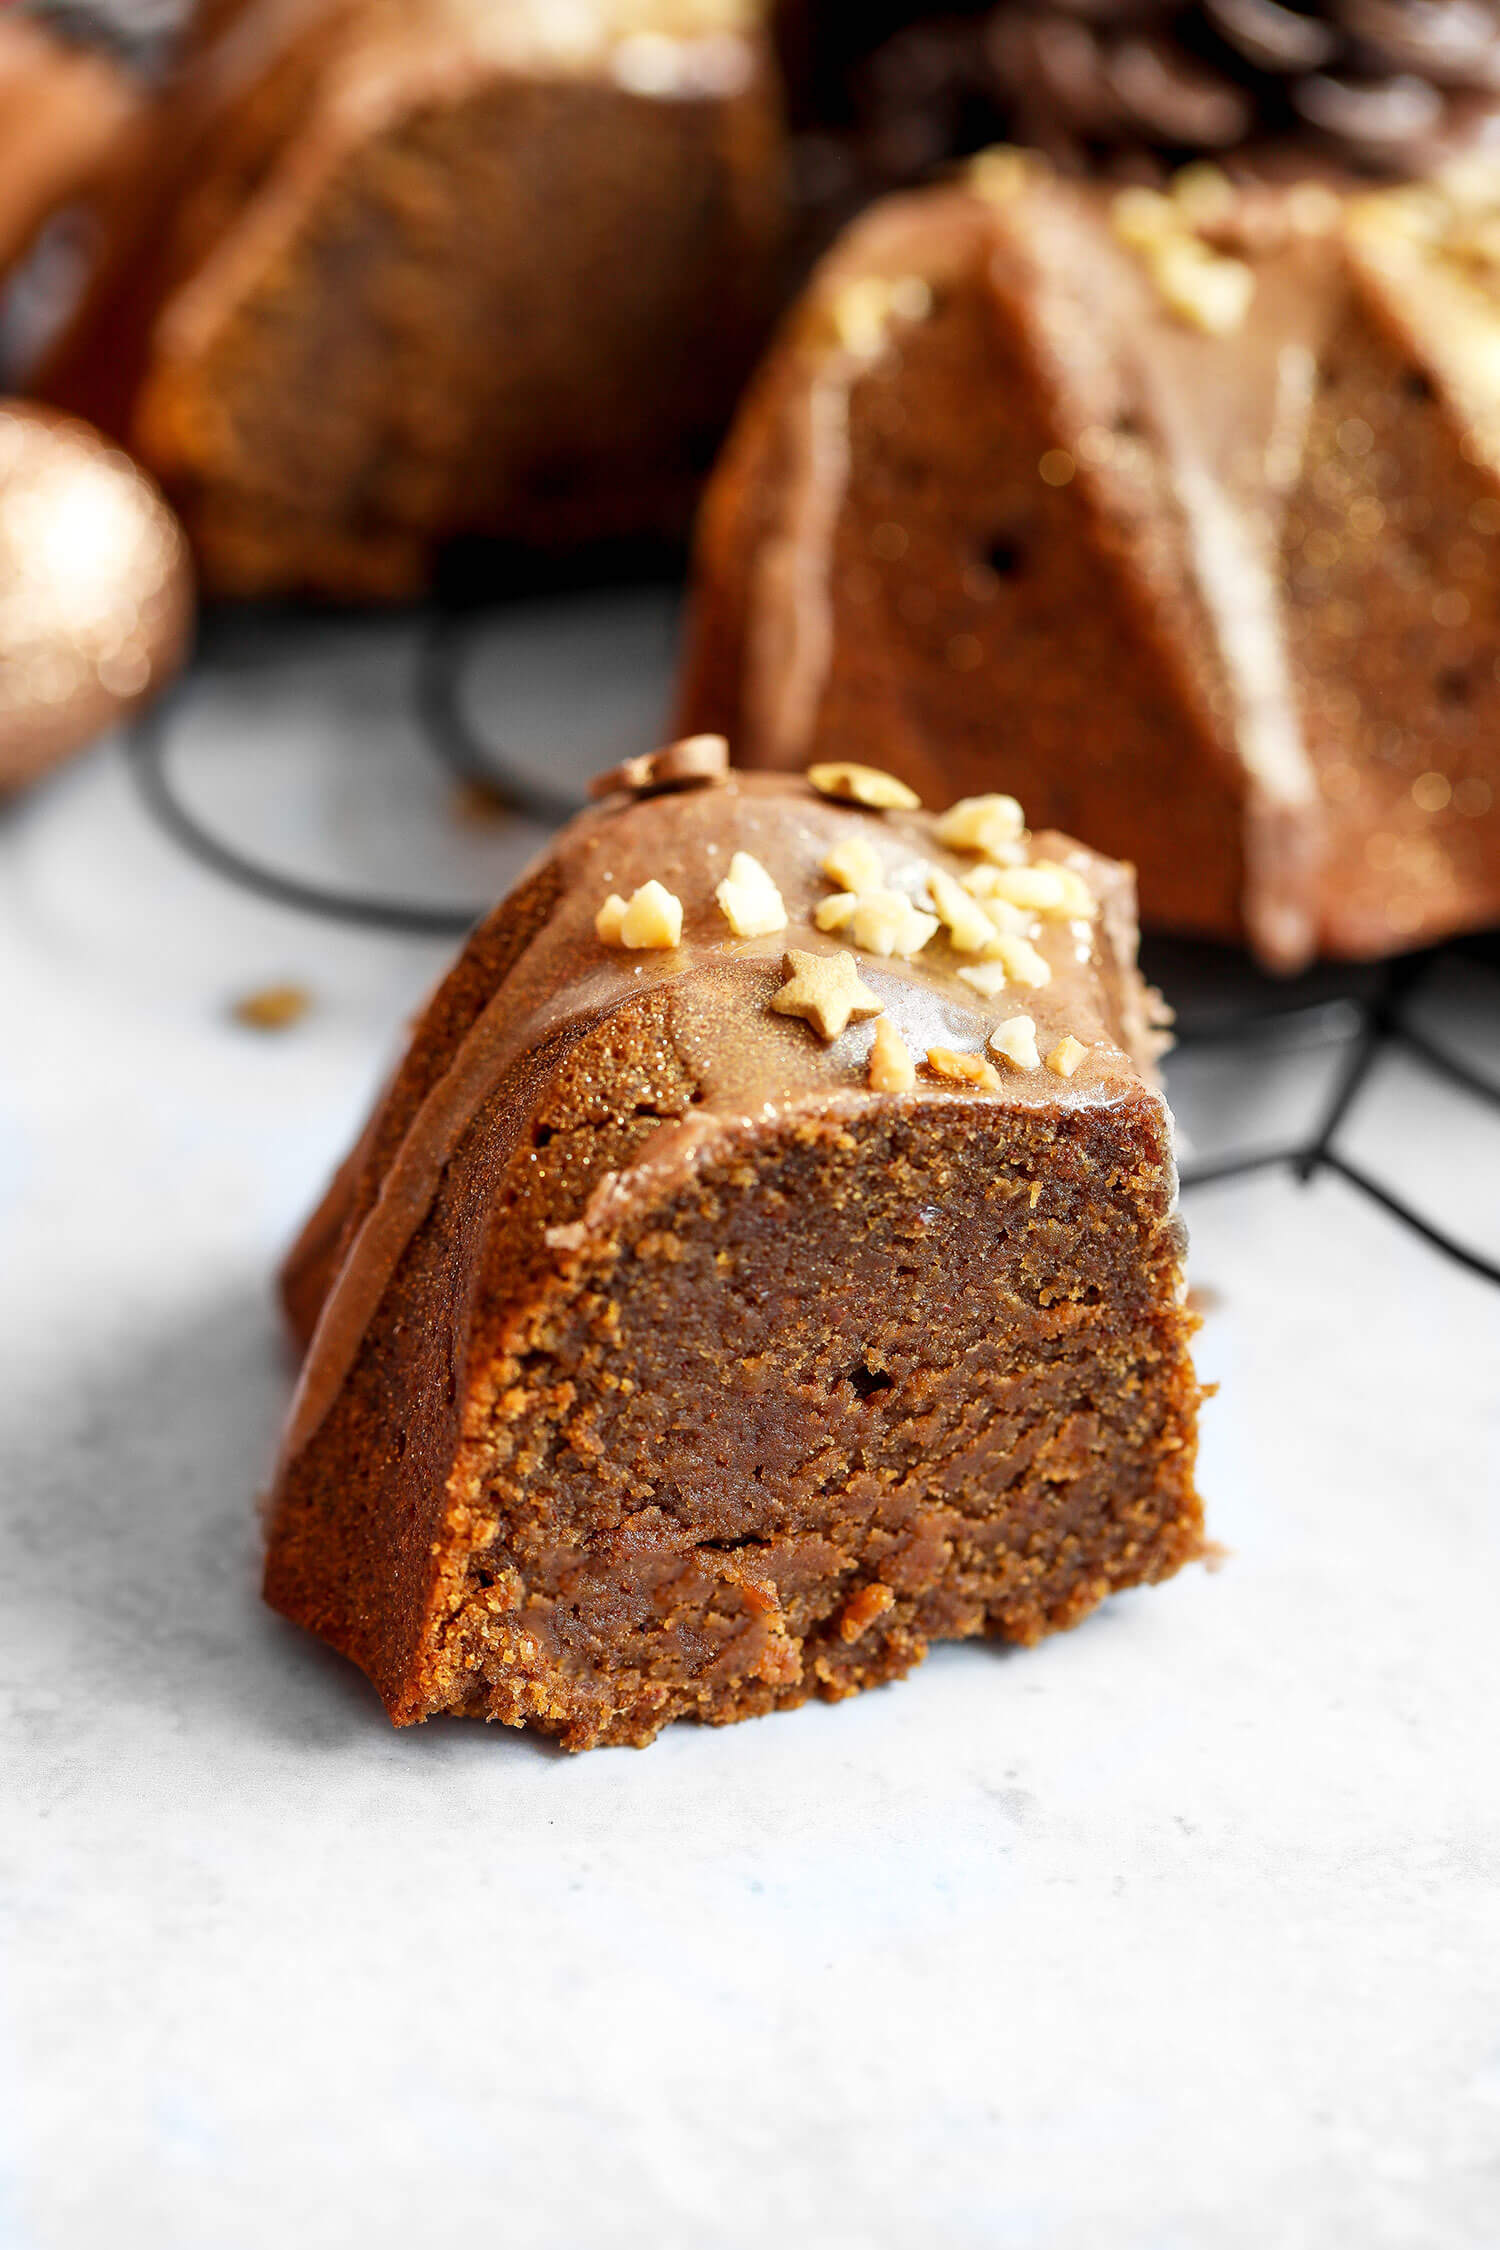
{"points": [[390, 271], [1179, 512]]}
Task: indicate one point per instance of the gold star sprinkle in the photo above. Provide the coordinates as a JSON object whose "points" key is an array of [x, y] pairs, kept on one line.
{"points": [[824, 989], [863, 785]]}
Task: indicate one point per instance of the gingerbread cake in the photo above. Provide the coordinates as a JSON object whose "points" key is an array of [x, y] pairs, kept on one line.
{"points": [[763, 1264], [67, 113], [392, 271], [1179, 512]]}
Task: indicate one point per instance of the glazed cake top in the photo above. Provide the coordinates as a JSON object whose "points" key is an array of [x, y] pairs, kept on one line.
{"points": [[820, 955], [1189, 330]]}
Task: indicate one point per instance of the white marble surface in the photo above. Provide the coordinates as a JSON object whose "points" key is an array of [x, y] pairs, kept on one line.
{"points": [[1181, 1932]]}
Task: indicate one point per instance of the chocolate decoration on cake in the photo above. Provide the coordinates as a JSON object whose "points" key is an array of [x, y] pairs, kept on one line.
{"points": [[743, 1282], [1179, 513], [95, 589], [388, 272]]}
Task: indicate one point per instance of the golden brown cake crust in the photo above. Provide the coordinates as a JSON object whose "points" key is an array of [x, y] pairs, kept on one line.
{"points": [[1213, 579], [630, 1396]]}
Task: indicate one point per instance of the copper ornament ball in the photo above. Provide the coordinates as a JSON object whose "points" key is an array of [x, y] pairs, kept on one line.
{"points": [[96, 589]]}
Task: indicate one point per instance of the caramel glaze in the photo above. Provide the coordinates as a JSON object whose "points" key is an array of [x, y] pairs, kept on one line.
{"points": [[755, 1066]]}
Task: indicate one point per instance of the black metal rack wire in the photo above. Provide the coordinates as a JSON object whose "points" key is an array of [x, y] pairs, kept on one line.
{"points": [[1366, 1011]]}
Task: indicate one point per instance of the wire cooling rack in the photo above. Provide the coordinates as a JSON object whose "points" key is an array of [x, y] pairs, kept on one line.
{"points": [[1366, 1013]]}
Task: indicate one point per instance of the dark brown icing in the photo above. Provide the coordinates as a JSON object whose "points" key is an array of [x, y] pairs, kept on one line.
{"points": [[754, 1065]]}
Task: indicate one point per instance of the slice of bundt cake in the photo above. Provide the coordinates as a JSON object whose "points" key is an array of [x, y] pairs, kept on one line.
{"points": [[66, 113], [1180, 512], [762, 1265], [390, 271]]}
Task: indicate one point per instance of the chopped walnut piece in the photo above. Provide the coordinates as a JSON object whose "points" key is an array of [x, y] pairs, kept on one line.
{"points": [[992, 825], [886, 922], [825, 989], [863, 785], [1010, 921], [608, 920], [650, 919], [968, 1070], [1023, 963], [1197, 284], [1066, 1055], [1141, 217], [749, 900], [988, 979], [1204, 195], [970, 929], [980, 883], [1312, 208], [1078, 901], [1040, 890], [1203, 289], [837, 912], [1015, 1039], [892, 1070], [855, 865], [698, 760], [863, 312], [1001, 173], [275, 1007]]}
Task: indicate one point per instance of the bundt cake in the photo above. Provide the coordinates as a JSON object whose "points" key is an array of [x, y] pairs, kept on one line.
{"points": [[66, 113], [762, 1265], [390, 271], [96, 596], [1178, 511]]}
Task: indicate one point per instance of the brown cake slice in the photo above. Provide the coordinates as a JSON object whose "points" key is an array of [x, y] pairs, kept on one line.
{"points": [[391, 271], [66, 115], [763, 1264], [1179, 514]]}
